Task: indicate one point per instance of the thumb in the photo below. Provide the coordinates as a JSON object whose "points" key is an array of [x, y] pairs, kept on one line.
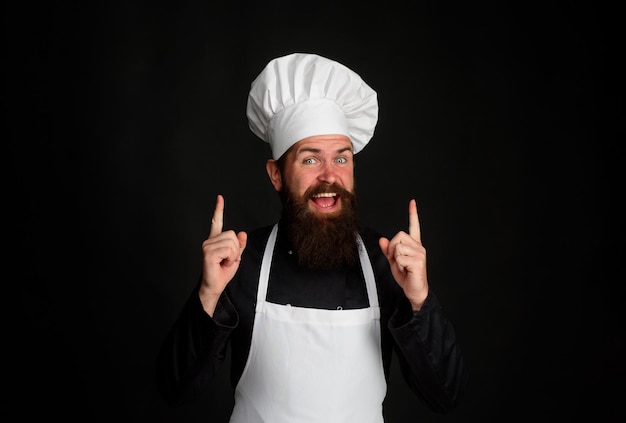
{"points": [[243, 241], [384, 245]]}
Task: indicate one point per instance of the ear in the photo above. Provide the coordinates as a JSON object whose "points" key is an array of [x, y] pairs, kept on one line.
{"points": [[274, 173]]}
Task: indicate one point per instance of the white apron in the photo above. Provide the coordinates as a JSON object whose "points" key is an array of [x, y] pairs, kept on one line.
{"points": [[312, 365]]}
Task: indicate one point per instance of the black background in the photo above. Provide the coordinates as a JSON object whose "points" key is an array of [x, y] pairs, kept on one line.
{"points": [[124, 120]]}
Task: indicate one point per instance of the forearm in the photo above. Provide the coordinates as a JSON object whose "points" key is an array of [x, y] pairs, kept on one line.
{"points": [[193, 350], [431, 359]]}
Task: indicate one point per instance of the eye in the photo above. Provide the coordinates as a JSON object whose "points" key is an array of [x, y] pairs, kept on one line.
{"points": [[309, 160], [341, 160]]}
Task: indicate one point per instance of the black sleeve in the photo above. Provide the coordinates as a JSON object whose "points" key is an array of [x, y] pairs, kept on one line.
{"points": [[193, 349], [430, 359]]}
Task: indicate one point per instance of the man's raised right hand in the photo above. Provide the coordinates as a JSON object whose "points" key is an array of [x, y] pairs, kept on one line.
{"points": [[222, 254]]}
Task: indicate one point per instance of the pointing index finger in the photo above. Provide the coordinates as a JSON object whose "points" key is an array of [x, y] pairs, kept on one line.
{"points": [[414, 223], [217, 221]]}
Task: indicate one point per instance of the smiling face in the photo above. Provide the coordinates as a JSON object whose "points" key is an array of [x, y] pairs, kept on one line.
{"points": [[319, 169], [315, 179]]}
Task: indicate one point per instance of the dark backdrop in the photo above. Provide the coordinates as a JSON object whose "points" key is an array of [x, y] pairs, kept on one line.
{"points": [[124, 120]]}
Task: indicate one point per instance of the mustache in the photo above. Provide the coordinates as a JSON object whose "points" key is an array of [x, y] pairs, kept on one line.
{"points": [[321, 188]]}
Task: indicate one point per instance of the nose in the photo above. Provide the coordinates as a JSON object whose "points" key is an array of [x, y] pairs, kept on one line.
{"points": [[327, 173]]}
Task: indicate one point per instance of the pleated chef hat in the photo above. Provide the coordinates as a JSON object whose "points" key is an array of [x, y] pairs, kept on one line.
{"points": [[300, 95]]}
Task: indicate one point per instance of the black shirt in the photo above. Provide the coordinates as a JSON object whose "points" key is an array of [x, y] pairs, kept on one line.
{"points": [[425, 342]]}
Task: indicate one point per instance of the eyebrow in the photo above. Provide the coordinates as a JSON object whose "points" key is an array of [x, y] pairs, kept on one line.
{"points": [[318, 150]]}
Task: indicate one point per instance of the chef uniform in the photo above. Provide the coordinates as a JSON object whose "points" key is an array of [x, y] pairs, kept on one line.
{"points": [[312, 365], [304, 362]]}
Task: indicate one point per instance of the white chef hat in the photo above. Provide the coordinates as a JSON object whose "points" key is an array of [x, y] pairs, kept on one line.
{"points": [[300, 95]]}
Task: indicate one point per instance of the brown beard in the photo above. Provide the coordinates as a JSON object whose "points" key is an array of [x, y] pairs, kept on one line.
{"points": [[321, 241]]}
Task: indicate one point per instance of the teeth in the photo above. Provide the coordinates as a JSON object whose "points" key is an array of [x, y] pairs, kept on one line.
{"points": [[325, 194]]}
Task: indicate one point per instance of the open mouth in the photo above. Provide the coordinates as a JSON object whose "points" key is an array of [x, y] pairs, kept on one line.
{"points": [[325, 200]]}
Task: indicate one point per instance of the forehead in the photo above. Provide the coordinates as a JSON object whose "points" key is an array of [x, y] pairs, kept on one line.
{"points": [[323, 143]]}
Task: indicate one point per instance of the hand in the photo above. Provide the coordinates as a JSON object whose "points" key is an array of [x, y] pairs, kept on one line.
{"points": [[407, 258], [222, 255]]}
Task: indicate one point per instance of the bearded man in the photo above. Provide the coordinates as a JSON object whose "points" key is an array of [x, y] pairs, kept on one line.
{"points": [[313, 306]]}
